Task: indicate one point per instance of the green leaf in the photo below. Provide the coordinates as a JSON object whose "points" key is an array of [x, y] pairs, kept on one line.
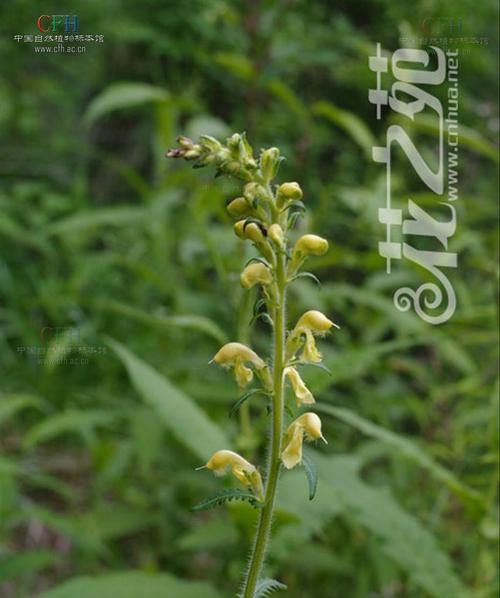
{"points": [[181, 416], [118, 216], [243, 398], [122, 95], [72, 421], [11, 404], [166, 323], [265, 587], [311, 474], [405, 448], [349, 122], [224, 497], [131, 584], [26, 562], [399, 535]]}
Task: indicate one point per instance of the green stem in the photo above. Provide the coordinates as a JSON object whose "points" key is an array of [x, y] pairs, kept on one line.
{"points": [[266, 514]]}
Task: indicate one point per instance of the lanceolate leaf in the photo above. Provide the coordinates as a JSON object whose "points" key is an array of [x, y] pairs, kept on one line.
{"points": [[186, 422], [405, 448], [312, 476], [224, 497]]}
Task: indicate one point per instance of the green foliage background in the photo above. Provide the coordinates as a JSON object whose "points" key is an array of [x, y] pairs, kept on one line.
{"points": [[136, 256]]}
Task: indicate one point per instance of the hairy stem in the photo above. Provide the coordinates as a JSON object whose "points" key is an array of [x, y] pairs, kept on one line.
{"points": [[266, 515]]}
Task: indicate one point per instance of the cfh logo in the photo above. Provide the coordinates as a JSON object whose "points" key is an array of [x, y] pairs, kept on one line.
{"points": [[441, 25], [66, 23]]}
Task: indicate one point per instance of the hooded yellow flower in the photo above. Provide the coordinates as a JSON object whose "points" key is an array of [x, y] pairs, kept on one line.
{"points": [[235, 355], [255, 273], [246, 473], [307, 426], [312, 323], [302, 393]]}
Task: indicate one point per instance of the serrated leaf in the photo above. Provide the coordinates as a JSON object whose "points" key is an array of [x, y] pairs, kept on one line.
{"points": [[224, 497], [311, 474], [130, 585], [181, 416], [265, 587]]}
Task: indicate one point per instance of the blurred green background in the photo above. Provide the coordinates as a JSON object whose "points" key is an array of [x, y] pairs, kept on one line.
{"points": [[102, 241]]}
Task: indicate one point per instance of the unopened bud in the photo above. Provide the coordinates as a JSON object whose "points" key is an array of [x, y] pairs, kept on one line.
{"points": [[269, 162], [275, 233], [310, 245], [290, 191], [238, 207], [253, 232]]}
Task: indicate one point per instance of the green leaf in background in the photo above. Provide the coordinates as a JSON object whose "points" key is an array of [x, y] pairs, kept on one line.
{"points": [[123, 95], [132, 584], [11, 404], [117, 216], [186, 422], [71, 421], [400, 535], [25, 563], [187, 322], [404, 447], [349, 122]]}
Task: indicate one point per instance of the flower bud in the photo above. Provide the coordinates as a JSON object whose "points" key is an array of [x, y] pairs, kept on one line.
{"points": [[243, 470], [255, 273], [210, 143], [275, 233], [238, 207], [269, 162], [239, 228], [290, 191], [310, 245], [253, 232]]}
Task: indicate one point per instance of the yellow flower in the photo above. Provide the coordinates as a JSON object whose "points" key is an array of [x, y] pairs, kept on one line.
{"points": [[243, 470], [307, 426], [302, 393], [316, 321], [235, 355], [311, 323], [309, 245], [255, 273]]}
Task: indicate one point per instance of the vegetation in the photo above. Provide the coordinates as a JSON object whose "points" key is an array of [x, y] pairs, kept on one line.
{"points": [[119, 281]]}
